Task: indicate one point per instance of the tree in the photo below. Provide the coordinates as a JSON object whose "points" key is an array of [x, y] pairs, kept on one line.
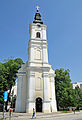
{"points": [[8, 72], [78, 93], [3, 82], [65, 95]]}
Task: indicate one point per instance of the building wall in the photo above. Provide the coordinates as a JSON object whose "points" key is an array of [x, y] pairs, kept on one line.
{"points": [[14, 90], [77, 84], [81, 86], [38, 85], [23, 94]]}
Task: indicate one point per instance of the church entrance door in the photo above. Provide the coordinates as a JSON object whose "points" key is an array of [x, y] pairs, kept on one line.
{"points": [[38, 104]]}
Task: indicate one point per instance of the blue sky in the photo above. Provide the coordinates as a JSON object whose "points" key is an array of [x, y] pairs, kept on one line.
{"points": [[64, 31]]}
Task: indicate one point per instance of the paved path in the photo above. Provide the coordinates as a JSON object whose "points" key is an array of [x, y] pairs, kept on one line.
{"points": [[42, 116]]}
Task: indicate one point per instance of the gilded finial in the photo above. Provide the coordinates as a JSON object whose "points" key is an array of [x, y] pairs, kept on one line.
{"points": [[37, 7]]}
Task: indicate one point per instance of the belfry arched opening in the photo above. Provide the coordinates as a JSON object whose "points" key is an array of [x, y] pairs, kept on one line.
{"points": [[38, 104]]}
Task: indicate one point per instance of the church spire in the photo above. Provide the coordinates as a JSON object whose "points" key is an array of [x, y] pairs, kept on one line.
{"points": [[37, 18]]}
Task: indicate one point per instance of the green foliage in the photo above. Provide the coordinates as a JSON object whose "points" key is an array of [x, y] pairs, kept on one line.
{"points": [[78, 93], [8, 72], [64, 93], [13, 102], [2, 118], [3, 82]]}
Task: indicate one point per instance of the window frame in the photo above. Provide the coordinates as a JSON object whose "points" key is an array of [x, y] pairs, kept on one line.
{"points": [[38, 35]]}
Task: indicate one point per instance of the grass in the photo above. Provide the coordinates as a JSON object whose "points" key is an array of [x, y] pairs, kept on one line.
{"points": [[70, 111], [77, 110], [2, 119], [65, 111]]}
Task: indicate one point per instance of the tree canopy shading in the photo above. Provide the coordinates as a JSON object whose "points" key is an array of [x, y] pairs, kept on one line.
{"points": [[66, 96], [8, 72]]}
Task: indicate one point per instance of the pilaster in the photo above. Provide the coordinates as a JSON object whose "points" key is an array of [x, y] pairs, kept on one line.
{"points": [[53, 100], [30, 92], [19, 99], [46, 101]]}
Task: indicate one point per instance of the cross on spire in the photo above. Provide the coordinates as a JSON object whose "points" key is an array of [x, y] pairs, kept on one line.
{"points": [[37, 7], [37, 18]]}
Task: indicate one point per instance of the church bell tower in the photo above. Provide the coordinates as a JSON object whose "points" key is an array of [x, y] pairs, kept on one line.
{"points": [[36, 78]]}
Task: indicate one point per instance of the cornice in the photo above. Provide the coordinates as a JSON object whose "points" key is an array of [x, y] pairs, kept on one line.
{"points": [[37, 39], [44, 69], [36, 25], [22, 73]]}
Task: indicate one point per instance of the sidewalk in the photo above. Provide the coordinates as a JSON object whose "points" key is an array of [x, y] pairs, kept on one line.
{"points": [[26, 116]]}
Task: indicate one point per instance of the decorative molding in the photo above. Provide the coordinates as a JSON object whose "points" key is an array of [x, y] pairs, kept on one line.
{"points": [[38, 87], [45, 75], [51, 75], [37, 39], [38, 43], [21, 73], [39, 97], [34, 45], [32, 74], [34, 68], [37, 62], [33, 25], [46, 101], [38, 53], [43, 28], [30, 101], [38, 29]]}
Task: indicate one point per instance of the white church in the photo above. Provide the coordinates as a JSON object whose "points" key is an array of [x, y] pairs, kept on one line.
{"points": [[36, 83]]}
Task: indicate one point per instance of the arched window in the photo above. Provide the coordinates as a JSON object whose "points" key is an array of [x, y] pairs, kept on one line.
{"points": [[38, 35]]}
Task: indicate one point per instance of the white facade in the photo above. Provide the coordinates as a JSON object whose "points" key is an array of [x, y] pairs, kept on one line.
{"points": [[79, 84], [36, 87], [14, 90]]}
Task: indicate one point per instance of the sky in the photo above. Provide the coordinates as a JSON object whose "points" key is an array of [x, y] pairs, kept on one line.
{"points": [[64, 31]]}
